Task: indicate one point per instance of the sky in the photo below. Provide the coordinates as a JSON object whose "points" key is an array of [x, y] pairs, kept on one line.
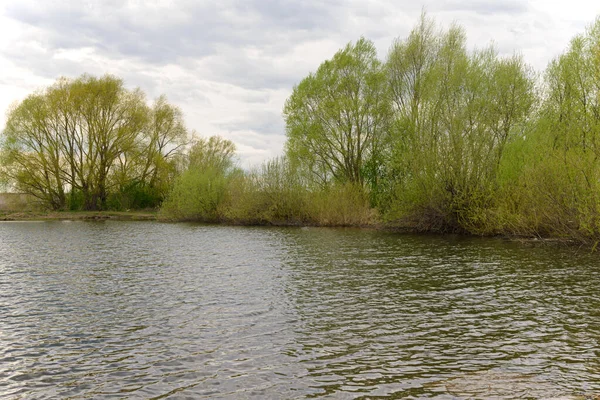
{"points": [[230, 65]]}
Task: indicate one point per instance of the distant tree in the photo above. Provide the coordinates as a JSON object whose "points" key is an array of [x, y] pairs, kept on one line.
{"points": [[84, 138], [212, 153], [149, 168], [562, 171], [336, 118], [32, 149], [572, 105]]}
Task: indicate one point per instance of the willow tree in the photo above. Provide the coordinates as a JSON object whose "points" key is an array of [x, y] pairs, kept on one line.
{"points": [[31, 152], [214, 152], [149, 167], [336, 118], [70, 140], [454, 113], [564, 178], [572, 104]]}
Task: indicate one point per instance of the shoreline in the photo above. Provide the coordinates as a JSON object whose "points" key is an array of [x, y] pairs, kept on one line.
{"points": [[152, 215], [8, 216]]}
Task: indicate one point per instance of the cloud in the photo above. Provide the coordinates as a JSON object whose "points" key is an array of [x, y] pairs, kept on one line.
{"points": [[242, 42], [162, 32], [152, 34], [231, 64], [267, 122], [485, 7]]}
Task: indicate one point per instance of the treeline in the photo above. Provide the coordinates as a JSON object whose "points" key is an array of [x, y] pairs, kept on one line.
{"points": [[433, 138]]}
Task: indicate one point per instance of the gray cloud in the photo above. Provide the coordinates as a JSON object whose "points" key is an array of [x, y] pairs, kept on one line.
{"points": [[485, 7], [195, 29], [266, 122], [117, 30], [230, 64]]}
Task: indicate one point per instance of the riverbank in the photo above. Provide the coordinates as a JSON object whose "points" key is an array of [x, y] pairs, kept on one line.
{"points": [[156, 216], [79, 216]]}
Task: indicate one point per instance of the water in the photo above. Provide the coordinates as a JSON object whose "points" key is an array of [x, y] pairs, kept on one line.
{"points": [[151, 310]]}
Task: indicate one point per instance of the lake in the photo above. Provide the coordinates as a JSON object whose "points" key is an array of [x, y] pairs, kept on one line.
{"points": [[153, 310]]}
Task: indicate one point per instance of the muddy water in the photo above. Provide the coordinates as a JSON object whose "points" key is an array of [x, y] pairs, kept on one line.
{"points": [[150, 310]]}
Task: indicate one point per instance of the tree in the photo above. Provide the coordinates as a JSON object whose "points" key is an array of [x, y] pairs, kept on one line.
{"points": [[336, 118], [563, 176], [212, 153], [454, 112], [110, 120], [87, 137], [572, 104], [31, 151], [144, 174]]}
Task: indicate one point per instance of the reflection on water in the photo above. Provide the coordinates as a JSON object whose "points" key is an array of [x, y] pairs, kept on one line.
{"points": [[150, 310]]}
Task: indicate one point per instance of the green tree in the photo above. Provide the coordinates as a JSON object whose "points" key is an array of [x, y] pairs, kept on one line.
{"points": [[212, 153], [31, 151], [79, 140], [561, 169], [111, 118], [145, 173], [201, 191], [336, 119], [454, 112]]}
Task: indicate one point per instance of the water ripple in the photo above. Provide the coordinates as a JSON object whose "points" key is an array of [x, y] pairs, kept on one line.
{"points": [[149, 310]]}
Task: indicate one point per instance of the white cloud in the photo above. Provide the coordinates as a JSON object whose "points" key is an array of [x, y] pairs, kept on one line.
{"points": [[230, 65]]}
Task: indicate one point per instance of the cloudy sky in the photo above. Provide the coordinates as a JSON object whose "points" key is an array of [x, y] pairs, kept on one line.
{"points": [[231, 64]]}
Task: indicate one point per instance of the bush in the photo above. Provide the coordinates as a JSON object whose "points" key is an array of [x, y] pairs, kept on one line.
{"points": [[134, 196], [197, 195]]}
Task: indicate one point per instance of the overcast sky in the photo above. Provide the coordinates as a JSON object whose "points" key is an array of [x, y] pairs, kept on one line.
{"points": [[229, 64]]}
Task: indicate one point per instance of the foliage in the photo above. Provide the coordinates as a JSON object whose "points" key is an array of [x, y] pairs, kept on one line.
{"points": [[201, 190], [436, 138], [89, 137], [271, 194], [559, 181], [455, 112], [197, 195], [143, 175], [336, 118], [341, 204], [214, 152], [277, 193]]}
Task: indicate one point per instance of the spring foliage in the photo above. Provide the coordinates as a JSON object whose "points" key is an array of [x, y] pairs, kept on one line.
{"points": [[200, 192], [86, 142], [436, 137], [337, 118]]}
